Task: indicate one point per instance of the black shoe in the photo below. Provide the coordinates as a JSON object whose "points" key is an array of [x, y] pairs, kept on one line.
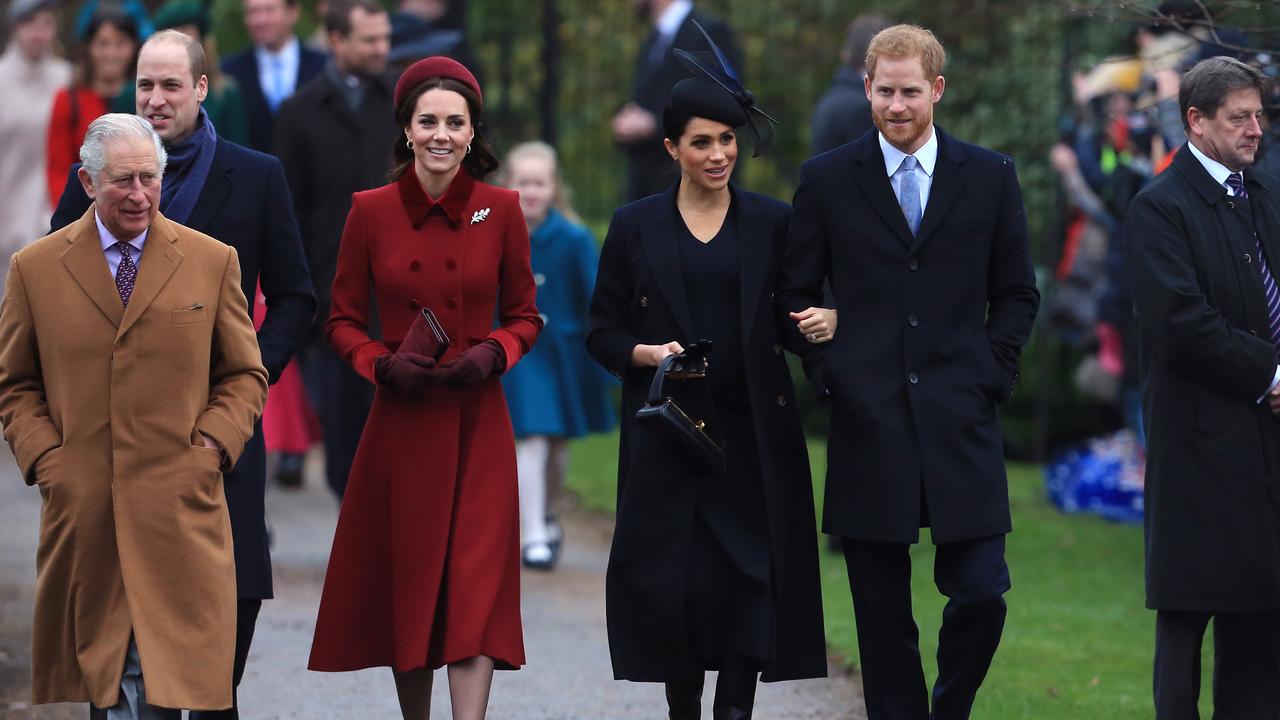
{"points": [[289, 472]]}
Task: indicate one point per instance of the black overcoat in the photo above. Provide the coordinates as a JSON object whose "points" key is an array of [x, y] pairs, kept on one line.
{"points": [[245, 204], [1212, 498], [329, 153], [640, 299], [930, 332]]}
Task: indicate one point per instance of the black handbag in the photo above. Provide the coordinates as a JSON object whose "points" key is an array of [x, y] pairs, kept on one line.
{"points": [[661, 413]]}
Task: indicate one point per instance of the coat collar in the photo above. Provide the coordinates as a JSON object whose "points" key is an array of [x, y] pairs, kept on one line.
{"points": [[660, 239], [88, 267], [1191, 170], [418, 205], [948, 182], [217, 188], [1212, 191], [552, 225]]}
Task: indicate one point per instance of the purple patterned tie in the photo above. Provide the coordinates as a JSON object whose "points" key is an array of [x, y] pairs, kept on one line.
{"points": [[127, 273], [1235, 181]]}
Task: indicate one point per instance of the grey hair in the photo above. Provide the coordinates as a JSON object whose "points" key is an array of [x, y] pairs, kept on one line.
{"points": [[93, 153]]}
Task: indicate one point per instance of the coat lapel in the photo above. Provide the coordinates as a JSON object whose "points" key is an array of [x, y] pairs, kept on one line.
{"points": [[217, 188], [755, 247], [659, 239], [948, 183], [85, 261], [160, 258], [871, 178]]}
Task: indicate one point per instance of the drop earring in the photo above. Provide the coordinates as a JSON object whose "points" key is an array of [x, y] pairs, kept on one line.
{"points": [[408, 144], [468, 148]]}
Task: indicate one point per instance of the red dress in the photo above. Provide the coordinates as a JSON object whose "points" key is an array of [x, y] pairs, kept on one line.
{"points": [[289, 424], [425, 566], [68, 122]]}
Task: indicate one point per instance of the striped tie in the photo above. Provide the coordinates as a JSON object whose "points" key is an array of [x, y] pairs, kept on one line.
{"points": [[1235, 181]]}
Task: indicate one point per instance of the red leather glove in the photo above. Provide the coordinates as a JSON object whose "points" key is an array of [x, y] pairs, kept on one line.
{"points": [[410, 373], [474, 365]]}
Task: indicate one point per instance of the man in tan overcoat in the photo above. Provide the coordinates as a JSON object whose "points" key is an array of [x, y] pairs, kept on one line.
{"points": [[130, 379]]}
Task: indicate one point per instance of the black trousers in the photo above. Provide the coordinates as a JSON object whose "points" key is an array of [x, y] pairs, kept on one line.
{"points": [[1246, 665], [342, 399], [246, 621], [974, 577]]}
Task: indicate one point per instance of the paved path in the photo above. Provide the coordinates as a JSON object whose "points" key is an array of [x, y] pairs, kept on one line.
{"points": [[568, 676]]}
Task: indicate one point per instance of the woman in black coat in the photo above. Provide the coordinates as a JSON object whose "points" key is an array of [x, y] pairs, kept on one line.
{"points": [[708, 571]]}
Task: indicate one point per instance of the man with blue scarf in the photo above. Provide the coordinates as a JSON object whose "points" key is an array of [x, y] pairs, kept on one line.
{"points": [[240, 197]]}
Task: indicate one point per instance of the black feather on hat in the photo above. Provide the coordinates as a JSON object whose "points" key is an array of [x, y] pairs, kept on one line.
{"points": [[716, 80]]}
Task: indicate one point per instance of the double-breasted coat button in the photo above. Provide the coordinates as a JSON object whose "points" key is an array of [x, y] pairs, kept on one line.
{"points": [[1231, 205], [451, 304], [413, 266], [913, 378], [782, 400], [413, 305], [1248, 258], [913, 264], [913, 321], [644, 301], [450, 265]]}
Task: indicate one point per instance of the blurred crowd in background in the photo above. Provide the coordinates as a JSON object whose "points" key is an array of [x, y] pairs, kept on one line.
{"points": [[66, 63]]}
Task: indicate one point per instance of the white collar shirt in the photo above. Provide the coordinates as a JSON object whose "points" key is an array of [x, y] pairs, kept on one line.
{"points": [[112, 252], [926, 159], [289, 58], [672, 18]]}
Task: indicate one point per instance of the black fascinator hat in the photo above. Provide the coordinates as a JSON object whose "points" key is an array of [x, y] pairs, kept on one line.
{"points": [[716, 88]]}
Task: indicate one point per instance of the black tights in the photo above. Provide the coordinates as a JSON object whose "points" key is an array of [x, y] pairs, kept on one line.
{"points": [[735, 692]]}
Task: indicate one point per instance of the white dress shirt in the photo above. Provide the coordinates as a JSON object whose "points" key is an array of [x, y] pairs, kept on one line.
{"points": [[667, 25], [112, 252], [669, 22], [289, 57], [926, 159]]}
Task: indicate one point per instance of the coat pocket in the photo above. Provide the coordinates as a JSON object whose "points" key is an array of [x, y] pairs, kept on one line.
{"points": [[194, 313]]}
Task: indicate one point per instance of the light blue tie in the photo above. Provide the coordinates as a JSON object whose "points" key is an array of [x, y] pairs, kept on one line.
{"points": [[276, 93], [909, 193]]}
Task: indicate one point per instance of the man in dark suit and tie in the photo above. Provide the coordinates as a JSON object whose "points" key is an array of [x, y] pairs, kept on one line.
{"points": [[350, 107], [1203, 243], [636, 126], [924, 241], [239, 197], [271, 70]]}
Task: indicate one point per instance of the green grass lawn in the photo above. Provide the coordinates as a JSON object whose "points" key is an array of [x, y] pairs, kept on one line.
{"points": [[1078, 640]]}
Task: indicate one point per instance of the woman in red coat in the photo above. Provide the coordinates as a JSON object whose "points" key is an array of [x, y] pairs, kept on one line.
{"points": [[107, 56], [425, 567]]}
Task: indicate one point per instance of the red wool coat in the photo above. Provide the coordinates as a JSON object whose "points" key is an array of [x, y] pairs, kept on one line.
{"points": [[425, 567]]}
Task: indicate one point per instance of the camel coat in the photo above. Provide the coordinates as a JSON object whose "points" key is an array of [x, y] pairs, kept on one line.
{"points": [[102, 407]]}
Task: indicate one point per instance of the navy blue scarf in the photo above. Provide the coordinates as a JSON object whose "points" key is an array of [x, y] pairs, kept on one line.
{"points": [[187, 170]]}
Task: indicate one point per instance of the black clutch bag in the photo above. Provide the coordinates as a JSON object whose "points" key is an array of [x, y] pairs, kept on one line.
{"points": [[682, 432]]}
